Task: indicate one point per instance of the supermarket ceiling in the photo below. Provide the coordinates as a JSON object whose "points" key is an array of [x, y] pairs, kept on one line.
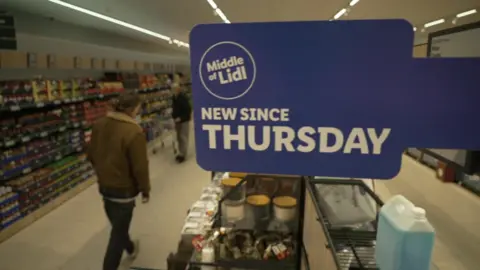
{"points": [[174, 18]]}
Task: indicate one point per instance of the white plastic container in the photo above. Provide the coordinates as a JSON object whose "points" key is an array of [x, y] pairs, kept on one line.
{"points": [[405, 238], [208, 256]]}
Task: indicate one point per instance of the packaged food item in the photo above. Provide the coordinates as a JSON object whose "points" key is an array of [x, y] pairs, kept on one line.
{"points": [[40, 90]]}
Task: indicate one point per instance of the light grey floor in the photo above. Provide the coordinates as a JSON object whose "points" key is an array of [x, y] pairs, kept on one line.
{"points": [[74, 236], [452, 210]]}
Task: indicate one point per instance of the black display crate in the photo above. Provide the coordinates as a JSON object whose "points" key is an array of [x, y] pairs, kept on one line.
{"points": [[250, 222]]}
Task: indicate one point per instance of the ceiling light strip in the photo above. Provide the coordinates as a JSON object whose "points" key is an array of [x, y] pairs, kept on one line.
{"points": [[345, 11], [433, 23], [339, 14], [354, 2], [218, 11], [117, 22], [466, 13], [212, 4], [443, 20]]}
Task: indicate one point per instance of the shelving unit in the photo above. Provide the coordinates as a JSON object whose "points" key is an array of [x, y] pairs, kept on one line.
{"points": [[257, 227], [45, 127]]}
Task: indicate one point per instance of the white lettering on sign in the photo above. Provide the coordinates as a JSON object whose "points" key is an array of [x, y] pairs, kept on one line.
{"points": [[246, 114], [228, 70], [306, 139], [283, 138]]}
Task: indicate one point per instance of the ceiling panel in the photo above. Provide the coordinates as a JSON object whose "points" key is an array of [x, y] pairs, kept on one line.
{"points": [[279, 10]]}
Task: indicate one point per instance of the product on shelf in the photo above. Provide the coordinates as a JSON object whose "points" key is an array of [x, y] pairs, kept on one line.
{"points": [[16, 92], [9, 207], [285, 208], [233, 245], [40, 90], [54, 90], [235, 194]]}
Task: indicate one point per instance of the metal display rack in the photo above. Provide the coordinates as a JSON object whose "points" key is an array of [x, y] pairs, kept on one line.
{"points": [[336, 247]]}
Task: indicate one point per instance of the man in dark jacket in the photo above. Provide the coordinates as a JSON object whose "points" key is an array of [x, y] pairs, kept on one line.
{"points": [[181, 114], [118, 153]]}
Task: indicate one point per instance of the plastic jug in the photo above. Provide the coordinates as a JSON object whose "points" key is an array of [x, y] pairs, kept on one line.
{"points": [[405, 238]]}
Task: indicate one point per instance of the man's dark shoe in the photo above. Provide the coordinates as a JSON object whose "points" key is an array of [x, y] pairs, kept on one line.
{"points": [[136, 248], [180, 159]]}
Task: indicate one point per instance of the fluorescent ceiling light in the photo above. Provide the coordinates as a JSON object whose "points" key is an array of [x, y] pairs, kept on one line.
{"points": [[221, 14], [212, 4], [414, 29], [430, 24], [354, 2], [466, 13], [218, 11], [115, 21], [340, 13]]}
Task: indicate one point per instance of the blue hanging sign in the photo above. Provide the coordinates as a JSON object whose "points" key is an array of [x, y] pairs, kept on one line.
{"points": [[339, 99]]}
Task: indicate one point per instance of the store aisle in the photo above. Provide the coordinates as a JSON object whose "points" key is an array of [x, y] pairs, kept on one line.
{"points": [[451, 209], [74, 236]]}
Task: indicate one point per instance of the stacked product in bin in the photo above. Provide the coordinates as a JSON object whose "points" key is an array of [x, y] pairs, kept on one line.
{"points": [[257, 222], [200, 216]]}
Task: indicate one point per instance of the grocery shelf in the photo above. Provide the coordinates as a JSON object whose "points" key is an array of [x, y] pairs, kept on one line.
{"points": [[15, 107], [45, 209]]}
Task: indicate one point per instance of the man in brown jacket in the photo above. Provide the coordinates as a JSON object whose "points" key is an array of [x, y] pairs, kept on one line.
{"points": [[118, 153]]}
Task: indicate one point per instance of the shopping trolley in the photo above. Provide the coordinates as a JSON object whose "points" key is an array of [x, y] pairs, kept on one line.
{"points": [[163, 128]]}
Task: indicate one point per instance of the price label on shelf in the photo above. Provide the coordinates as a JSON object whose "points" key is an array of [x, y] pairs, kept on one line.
{"points": [[57, 158], [101, 96], [56, 102], [40, 105], [27, 170], [347, 112], [67, 100], [44, 134], [14, 108], [26, 139], [61, 129]]}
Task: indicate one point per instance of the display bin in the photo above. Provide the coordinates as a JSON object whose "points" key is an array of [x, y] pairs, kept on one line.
{"points": [[336, 245], [258, 209]]}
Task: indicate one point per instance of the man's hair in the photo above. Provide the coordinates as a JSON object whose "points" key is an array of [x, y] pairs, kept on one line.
{"points": [[126, 102]]}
